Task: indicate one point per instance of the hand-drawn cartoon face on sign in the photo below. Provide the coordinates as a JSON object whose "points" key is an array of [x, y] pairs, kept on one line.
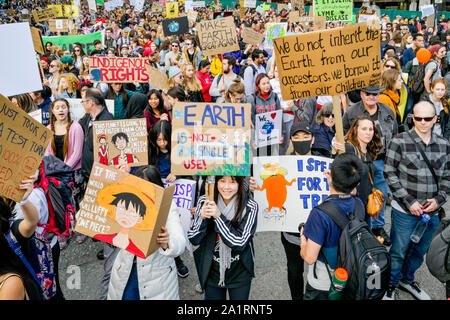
{"points": [[123, 210], [121, 142], [211, 139]]}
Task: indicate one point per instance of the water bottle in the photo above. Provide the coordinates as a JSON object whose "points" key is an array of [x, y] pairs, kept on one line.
{"points": [[420, 228], [338, 284]]}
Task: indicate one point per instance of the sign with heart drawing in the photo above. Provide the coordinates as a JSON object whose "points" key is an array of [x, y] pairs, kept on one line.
{"points": [[268, 128]]}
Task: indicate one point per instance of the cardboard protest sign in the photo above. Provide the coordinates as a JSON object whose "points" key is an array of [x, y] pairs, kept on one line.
{"points": [[158, 79], [18, 65], [172, 10], [59, 25], [210, 139], [217, 36], [251, 36], [126, 70], [294, 16], [123, 210], [44, 14], [67, 42], [157, 8], [250, 4], [58, 8], [328, 62], [268, 127], [288, 187], [175, 26], [192, 17], [23, 142], [274, 30], [77, 110], [334, 10], [121, 142], [37, 40]]}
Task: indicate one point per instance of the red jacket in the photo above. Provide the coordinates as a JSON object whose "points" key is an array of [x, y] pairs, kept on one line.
{"points": [[206, 81]]}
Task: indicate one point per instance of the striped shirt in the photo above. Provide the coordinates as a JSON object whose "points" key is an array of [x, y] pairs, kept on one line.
{"points": [[407, 174]]}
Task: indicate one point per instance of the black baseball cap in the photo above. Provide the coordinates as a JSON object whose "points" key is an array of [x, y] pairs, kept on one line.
{"points": [[300, 126]]}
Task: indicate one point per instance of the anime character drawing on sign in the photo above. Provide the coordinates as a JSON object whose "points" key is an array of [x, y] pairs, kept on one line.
{"points": [[275, 185], [131, 208], [103, 150], [120, 141]]}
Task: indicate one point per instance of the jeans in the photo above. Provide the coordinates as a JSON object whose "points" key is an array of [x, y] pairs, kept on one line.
{"points": [[380, 184], [131, 291], [295, 266], [214, 293], [406, 256]]}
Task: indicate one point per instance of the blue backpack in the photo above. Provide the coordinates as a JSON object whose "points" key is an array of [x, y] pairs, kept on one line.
{"points": [[39, 263]]}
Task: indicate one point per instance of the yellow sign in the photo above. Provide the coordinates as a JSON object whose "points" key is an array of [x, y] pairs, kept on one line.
{"points": [[172, 10], [72, 11], [58, 8]]}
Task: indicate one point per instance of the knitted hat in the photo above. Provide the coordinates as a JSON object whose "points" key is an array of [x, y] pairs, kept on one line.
{"points": [[173, 71], [67, 60]]}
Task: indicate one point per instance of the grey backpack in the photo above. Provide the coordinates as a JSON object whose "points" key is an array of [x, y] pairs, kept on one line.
{"points": [[438, 260]]}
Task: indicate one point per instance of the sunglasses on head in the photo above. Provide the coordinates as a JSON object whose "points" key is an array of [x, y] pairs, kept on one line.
{"points": [[427, 119]]}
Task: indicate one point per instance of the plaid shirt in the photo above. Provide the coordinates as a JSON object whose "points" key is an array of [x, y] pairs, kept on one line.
{"points": [[407, 174]]}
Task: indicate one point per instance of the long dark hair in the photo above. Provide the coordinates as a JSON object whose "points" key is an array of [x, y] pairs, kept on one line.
{"points": [[111, 94], [150, 173], [161, 108], [161, 127], [69, 123], [374, 145], [240, 194]]}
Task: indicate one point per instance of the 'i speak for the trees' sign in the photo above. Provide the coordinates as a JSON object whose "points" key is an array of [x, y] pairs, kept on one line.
{"points": [[211, 139]]}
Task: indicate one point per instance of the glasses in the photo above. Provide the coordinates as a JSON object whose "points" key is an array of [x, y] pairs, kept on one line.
{"points": [[77, 50], [427, 119], [371, 94], [53, 65], [174, 46], [328, 115], [389, 66], [84, 101]]}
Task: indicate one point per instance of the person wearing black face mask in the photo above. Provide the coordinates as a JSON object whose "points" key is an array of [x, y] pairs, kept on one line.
{"points": [[302, 140]]}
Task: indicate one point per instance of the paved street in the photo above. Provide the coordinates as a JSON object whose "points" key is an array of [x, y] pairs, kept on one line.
{"points": [[270, 282]]}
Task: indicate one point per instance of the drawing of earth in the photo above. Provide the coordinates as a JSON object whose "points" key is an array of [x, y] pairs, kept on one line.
{"points": [[174, 26]]}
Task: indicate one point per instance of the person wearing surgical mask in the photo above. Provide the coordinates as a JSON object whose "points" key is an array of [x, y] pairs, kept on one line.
{"points": [[302, 138]]}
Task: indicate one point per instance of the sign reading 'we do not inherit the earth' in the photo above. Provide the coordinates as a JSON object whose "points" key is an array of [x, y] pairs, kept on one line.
{"points": [[328, 62]]}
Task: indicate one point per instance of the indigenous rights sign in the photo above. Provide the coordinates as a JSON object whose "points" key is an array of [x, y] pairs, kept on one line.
{"points": [[328, 62], [105, 69]]}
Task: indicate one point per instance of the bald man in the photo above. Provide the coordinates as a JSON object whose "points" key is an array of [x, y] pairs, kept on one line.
{"points": [[415, 193]]}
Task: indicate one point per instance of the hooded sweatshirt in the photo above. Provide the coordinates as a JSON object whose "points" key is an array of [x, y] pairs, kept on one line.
{"points": [[263, 105], [135, 107]]}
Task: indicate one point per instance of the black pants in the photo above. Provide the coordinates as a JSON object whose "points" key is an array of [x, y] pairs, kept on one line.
{"points": [[59, 296], [295, 267], [314, 294], [447, 289], [214, 293]]}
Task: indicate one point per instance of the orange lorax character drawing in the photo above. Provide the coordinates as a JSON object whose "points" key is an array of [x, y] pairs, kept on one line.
{"points": [[275, 184]]}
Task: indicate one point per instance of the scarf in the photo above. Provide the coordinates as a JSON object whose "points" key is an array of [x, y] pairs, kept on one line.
{"points": [[225, 251]]}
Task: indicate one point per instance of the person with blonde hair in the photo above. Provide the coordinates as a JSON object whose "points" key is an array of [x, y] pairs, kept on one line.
{"points": [[437, 97], [236, 92], [391, 81], [67, 86], [191, 83], [56, 68]]}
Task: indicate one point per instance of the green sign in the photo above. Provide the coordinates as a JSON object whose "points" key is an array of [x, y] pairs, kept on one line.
{"points": [[67, 42], [100, 2], [334, 10]]}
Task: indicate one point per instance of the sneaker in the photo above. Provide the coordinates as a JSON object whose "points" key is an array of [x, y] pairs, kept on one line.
{"points": [[198, 288], [382, 233], [415, 290], [390, 293], [183, 271]]}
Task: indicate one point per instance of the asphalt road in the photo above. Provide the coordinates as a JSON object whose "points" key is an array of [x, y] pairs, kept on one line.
{"points": [[79, 261]]}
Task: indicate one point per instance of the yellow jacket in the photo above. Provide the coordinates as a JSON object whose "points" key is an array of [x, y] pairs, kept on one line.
{"points": [[216, 66]]}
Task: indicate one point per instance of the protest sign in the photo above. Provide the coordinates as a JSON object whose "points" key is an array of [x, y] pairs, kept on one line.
{"points": [[268, 128], [157, 8], [23, 142], [172, 10], [334, 10], [110, 5], [251, 36], [36, 115], [288, 187], [217, 36], [126, 70], [211, 139], [121, 142], [242, 13], [67, 42], [92, 5], [328, 62], [77, 110], [250, 4], [59, 25], [123, 210], [427, 10], [37, 40], [192, 17], [198, 4], [58, 8], [18, 65], [260, 9], [175, 26], [320, 23], [265, 6], [139, 5], [158, 79], [44, 14], [72, 11], [274, 30]]}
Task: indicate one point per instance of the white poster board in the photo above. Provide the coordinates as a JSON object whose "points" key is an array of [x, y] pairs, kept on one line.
{"points": [[19, 70], [250, 4], [268, 127], [92, 5], [288, 187], [427, 10], [139, 5], [77, 110], [37, 115]]}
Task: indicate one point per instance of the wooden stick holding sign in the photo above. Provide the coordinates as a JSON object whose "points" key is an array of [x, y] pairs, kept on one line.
{"points": [[209, 187], [338, 121]]}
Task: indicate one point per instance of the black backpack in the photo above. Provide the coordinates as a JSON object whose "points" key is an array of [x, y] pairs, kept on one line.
{"points": [[438, 255], [366, 260], [242, 71], [416, 84]]}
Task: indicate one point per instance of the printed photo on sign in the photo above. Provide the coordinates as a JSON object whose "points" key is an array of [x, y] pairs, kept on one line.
{"points": [[288, 187], [123, 210], [121, 142], [268, 128]]}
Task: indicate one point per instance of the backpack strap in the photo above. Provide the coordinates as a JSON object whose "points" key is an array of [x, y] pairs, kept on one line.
{"points": [[338, 216]]}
